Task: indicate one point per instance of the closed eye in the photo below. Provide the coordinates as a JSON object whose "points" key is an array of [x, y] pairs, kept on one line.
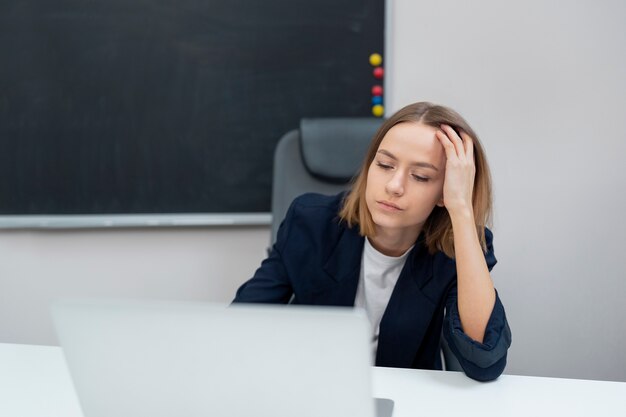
{"points": [[387, 167], [384, 166]]}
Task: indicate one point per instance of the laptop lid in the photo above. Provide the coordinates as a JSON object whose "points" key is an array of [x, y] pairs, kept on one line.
{"points": [[130, 358]]}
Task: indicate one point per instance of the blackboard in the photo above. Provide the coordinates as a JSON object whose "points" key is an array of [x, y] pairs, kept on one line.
{"points": [[172, 106]]}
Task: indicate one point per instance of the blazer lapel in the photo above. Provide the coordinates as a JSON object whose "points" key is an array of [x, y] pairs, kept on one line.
{"points": [[408, 313], [343, 266]]}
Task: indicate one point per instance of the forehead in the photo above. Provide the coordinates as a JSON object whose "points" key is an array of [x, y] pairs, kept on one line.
{"points": [[413, 142]]}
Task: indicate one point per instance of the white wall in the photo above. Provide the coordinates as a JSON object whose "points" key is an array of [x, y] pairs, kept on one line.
{"points": [[182, 264], [544, 86]]}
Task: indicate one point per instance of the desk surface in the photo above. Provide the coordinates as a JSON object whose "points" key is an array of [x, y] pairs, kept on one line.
{"points": [[34, 382]]}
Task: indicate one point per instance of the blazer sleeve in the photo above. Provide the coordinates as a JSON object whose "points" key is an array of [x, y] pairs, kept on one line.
{"points": [[480, 361], [270, 283]]}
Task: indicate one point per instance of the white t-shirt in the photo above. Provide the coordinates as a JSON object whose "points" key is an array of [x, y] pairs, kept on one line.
{"points": [[379, 274]]}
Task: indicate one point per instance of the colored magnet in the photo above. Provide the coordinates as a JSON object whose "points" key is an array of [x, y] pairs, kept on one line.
{"points": [[376, 60], [378, 72], [377, 90], [378, 110], [377, 100]]}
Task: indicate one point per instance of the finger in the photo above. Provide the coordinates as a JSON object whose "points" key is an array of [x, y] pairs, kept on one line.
{"points": [[447, 144], [456, 140], [469, 145]]}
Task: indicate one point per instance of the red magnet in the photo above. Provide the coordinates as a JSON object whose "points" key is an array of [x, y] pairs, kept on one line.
{"points": [[377, 90], [378, 72]]}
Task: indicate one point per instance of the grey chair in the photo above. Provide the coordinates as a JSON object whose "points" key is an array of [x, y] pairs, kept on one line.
{"points": [[322, 156]]}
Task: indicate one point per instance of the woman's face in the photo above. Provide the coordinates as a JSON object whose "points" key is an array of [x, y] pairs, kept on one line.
{"points": [[405, 179]]}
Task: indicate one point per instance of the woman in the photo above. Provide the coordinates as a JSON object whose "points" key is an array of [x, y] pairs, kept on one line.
{"points": [[406, 243]]}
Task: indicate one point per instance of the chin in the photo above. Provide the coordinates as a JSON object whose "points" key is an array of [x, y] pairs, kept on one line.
{"points": [[384, 221]]}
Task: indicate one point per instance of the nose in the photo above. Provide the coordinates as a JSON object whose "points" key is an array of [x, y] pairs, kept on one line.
{"points": [[395, 185]]}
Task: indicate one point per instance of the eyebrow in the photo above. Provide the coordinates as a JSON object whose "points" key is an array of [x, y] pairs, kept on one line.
{"points": [[418, 164]]}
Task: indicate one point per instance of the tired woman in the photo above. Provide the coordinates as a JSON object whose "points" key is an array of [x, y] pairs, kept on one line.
{"points": [[408, 243]]}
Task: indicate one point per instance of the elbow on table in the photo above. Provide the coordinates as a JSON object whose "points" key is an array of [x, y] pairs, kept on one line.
{"points": [[480, 361], [484, 374]]}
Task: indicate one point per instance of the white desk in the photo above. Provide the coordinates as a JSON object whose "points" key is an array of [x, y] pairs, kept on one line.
{"points": [[34, 382]]}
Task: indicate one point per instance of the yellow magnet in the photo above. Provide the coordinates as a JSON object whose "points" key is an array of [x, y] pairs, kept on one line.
{"points": [[378, 110], [376, 60]]}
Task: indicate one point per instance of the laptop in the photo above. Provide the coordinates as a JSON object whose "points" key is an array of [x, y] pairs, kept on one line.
{"points": [[152, 358]]}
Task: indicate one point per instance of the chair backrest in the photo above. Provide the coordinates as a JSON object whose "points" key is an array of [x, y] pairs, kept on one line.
{"points": [[321, 156]]}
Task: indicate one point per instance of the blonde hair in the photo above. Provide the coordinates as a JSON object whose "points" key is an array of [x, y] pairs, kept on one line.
{"points": [[438, 227]]}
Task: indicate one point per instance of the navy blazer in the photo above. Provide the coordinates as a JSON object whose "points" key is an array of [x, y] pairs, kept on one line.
{"points": [[317, 260]]}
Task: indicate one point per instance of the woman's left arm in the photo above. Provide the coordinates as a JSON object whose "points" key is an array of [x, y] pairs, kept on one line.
{"points": [[475, 325], [476, 294]]}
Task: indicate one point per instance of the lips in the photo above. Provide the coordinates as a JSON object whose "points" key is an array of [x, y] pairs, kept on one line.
{"points": [[388, 206]]}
